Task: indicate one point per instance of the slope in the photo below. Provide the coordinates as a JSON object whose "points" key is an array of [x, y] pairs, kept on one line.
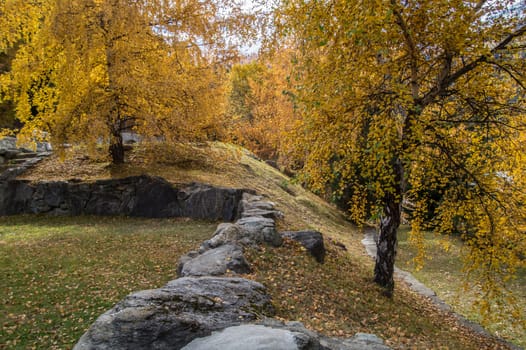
{"points": [[337, 298]]}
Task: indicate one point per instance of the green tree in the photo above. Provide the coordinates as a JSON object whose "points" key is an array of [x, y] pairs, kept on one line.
{"points": [[86, 70], [415, 96]]}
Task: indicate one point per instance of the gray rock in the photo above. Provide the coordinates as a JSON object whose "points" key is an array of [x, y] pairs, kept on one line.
{"points": [[260, 204], [215, 262], [7, 142], [143, 196], [201, 199], [260, 230], [271, 334], [225, 232], [184, 259], [311, 240], [154, 197], [272, 214], [244, 337], [361, 341], [246, 231], [15, 197], [11, 153], [315, 341], [172, 316], [44, 147]]}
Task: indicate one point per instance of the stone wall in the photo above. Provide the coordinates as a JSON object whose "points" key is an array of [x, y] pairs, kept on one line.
{"points": [[210, 306], [142, 196]]}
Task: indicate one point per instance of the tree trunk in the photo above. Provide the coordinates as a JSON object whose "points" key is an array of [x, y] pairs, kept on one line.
{"points": [[116, 149], [387, 240]]}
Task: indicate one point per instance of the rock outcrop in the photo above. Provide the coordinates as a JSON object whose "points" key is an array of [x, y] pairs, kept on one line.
{"points": [[16, 160], [142, 196], [214, 262], [224, 251], [274, 335], [171, 317]]}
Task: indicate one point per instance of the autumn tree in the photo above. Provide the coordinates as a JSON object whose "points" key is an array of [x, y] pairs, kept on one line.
{"points": [[260, 111], [403, 97], [87, 70]]}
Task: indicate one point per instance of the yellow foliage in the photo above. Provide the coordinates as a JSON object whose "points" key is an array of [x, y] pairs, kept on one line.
{"points": [[260, 112], [87, 70], [418, 102]]}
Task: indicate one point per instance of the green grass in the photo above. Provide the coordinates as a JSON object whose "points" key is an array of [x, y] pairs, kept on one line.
{"points": [[443, 273], [59, 274]]}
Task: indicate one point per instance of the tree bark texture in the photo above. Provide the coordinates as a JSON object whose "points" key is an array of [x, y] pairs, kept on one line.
{"points": [[387, 241], [117, 149]]}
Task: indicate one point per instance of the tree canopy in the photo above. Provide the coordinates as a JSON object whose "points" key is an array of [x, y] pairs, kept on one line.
{"points": [[90, 69], [401, 99], [260, 111]]}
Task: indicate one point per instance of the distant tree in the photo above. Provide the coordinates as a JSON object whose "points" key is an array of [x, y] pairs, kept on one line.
{"points": [[87, 70], [260, 111], [404, 97]]}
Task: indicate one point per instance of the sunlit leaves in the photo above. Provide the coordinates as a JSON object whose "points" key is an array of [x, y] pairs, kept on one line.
{"points": [[88, 70], [437, 85]]}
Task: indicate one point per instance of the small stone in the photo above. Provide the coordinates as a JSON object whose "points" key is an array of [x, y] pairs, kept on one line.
{"points": [[311, 240], [216, 262]]}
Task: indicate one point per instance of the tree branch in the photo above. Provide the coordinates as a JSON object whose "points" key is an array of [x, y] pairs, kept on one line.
{"points": [[510, 73], [450, 79], [412, 49]]}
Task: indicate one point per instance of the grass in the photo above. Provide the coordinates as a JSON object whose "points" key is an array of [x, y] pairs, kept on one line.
{"points": [[443, 273], [337, 298], [60, 274]]}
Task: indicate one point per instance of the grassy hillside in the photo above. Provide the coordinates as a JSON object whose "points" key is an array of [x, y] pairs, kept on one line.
{"points": [[337, 298]]}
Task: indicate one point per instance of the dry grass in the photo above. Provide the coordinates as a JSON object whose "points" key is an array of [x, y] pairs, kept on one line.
{"points": [[337, 298]]}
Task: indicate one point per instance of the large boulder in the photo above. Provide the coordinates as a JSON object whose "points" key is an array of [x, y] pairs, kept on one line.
{"points": [[246, 231], [260, 230], [171, 317], [7, 143], [154, 197], [274, 335], [253, 205], [244, 337], [225, 233], [311, 240], [215, 262], [15, 197], [200, 200]]}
